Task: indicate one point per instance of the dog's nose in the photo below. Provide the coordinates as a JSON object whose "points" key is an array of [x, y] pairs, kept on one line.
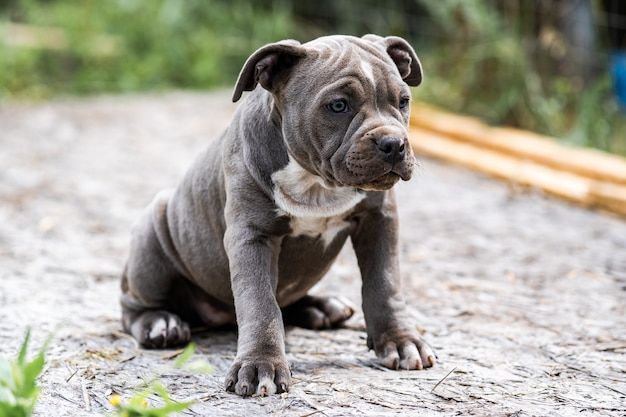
{"points": [[392, 148]]}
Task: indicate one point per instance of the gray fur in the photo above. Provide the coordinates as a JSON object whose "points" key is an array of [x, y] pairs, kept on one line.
{"points": [[262, 213]]}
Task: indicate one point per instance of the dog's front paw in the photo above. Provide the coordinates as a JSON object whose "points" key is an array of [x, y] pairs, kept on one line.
{"points": [[402, 349], [261, 376], [160, 329]]}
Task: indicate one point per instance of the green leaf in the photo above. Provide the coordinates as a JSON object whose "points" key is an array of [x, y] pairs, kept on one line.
{"points": [[199, 366], [5, 372], [195, 366], [21, 357], [136, 406], [18, 381], [185, 355]]}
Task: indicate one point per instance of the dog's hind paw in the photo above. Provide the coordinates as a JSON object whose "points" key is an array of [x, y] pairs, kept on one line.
{"points": [[160, 329], [318, 312]]}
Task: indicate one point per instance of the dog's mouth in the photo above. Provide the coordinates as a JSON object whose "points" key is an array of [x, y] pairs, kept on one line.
{"points": [[384, 179], [368, 168], [382, 183]]}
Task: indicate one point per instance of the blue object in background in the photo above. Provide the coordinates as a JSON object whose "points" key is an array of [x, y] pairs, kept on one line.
{"points": [[618, 74]]}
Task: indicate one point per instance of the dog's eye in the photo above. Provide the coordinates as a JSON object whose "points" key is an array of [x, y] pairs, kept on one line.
{"points": [[404, 103], [338, 106]]}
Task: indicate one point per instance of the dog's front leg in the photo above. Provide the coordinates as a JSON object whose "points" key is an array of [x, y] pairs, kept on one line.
{"points": [[260, 366], [389, 329]]}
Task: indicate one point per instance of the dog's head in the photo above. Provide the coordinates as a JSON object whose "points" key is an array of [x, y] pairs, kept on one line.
{"points": [[343, 104]]}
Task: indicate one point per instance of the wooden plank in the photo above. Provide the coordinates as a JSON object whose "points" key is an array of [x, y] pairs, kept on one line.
{"points": [[611, 197], [570, 186], [524, 145]]}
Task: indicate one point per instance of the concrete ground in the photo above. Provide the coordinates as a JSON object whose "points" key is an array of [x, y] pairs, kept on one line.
{"points": [[522, 296]]}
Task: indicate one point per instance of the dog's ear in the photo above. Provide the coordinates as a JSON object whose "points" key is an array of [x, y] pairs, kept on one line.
{"points": [[403, 56], [267, 66]]}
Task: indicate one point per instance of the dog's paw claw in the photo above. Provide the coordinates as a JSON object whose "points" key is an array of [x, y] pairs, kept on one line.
{"points": [[263, 377], [230, 386], [431, 360], [403, 351]]}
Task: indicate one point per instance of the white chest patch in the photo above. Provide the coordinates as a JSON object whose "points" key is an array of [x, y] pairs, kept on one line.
{"points": [[315, 209], [324, 228]]}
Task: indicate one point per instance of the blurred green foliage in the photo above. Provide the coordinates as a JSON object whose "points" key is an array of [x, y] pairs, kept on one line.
{"points": [[504, 61], [137, 405], [500, 61], [136, 45]]}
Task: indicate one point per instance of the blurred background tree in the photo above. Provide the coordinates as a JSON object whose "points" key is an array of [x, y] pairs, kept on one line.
{"points": [[542, 65]]}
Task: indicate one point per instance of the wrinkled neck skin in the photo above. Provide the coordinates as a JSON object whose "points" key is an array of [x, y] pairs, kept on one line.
{"points": [[299, 193], [295, 190], [256, 130]]}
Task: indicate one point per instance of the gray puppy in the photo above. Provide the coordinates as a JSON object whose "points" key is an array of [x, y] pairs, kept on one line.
{"points": [[308, 161]]}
